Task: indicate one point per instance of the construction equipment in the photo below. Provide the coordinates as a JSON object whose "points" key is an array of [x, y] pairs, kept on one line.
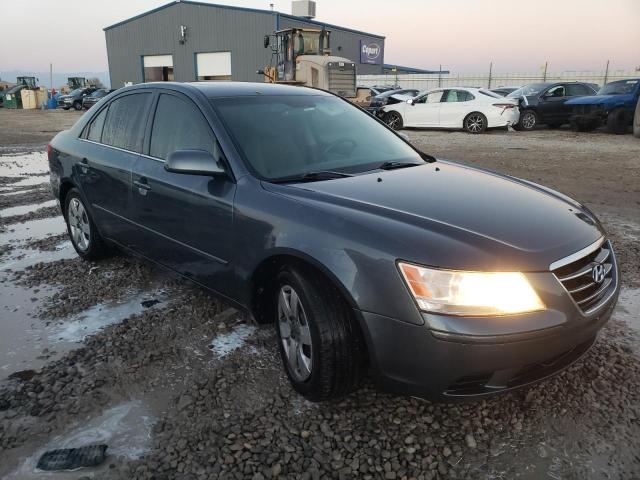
{"points": [[30, 82], [302, 56], [76, 82]]}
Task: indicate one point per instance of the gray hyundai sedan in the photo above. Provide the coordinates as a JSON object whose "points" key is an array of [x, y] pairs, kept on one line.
{"points": [[368, 255]]}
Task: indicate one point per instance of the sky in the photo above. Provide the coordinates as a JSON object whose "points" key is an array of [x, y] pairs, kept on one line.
{"points": [[461, 35]]}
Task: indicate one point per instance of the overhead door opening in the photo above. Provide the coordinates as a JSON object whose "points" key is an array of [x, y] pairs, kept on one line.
{"points": [[158, 68], [213, 66]]}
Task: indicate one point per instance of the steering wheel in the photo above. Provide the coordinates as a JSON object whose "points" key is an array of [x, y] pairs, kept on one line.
{"points": [[348, 145]]}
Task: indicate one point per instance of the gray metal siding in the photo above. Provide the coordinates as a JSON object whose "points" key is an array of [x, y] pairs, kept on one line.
{"points": [[210, 28]]}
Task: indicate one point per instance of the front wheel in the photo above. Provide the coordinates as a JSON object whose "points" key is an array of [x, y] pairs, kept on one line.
{"points": [[77, 106], [393, 120], [618, 121], [475, 122], [82, 230], [320, 343], [528, 120]]}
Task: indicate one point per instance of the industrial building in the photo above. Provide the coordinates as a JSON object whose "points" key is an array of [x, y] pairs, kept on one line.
{"points": [[187, 41]]}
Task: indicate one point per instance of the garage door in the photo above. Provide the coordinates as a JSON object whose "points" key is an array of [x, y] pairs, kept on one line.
{"points": [[213, 66], [158, 68]]}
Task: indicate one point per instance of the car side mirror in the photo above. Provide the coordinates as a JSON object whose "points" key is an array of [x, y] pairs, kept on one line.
{"points": [[410, 101], [193, 162]]}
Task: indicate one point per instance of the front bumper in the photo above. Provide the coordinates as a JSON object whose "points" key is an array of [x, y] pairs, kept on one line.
{"points": [[453, 357]]}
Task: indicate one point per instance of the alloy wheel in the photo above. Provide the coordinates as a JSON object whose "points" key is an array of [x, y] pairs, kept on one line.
{"points": [[475, 123], [294, 333], [528, 120], [393, 120], [79, 224]]}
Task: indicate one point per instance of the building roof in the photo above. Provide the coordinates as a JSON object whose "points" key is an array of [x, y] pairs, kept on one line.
{"points": [[242, 9], [401, 69]]}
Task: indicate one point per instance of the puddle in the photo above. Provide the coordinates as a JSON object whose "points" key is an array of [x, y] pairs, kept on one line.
{"points": [[21, 258], [628, 308], [226, 343], [80, 326], [33, 230], [125, 429], [23, 164], [24, 209], [27, 182]]}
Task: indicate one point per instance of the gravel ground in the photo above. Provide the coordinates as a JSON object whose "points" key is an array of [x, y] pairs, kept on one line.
{"points": [[229, 412]]}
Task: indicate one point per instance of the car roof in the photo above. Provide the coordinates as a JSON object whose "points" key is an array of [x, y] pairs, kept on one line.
{"points": [[232, 89]]}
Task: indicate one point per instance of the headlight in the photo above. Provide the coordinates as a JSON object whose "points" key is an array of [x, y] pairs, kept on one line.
{"points": [[457, 292]]}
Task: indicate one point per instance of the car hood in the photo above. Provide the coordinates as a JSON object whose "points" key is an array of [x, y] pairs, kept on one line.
{"points": [[508, 222], [595, 99]]}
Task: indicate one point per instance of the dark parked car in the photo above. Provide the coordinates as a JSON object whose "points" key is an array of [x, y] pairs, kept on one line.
{"points": [[93, 98], [504, 91], [442, 279], [613, 106], [390, 97], [545, 103], [74, 98]]}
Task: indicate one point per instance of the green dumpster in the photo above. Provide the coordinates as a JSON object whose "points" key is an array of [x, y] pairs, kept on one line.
{"points": [[12, 97]]}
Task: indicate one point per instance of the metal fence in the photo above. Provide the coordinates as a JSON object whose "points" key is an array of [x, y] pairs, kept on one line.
{"points": [[427, 81]]}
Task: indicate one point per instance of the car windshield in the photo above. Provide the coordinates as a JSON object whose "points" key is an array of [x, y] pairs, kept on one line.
{"points": [[77, 91], [285, 136], [98, 93], [531, 89], [619, 88]]}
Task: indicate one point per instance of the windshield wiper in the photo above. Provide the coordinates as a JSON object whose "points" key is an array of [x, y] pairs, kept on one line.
{"points": [[394, 165], [312, 176]]}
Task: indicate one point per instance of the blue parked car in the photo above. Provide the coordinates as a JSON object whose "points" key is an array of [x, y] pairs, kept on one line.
{"points": [[613, 106]]}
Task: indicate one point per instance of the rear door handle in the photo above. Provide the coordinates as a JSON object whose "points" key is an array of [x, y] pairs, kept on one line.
{"points": [[143, 186]]}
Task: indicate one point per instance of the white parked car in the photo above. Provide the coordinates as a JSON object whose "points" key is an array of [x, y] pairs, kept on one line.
{"points": [[471, 109]]}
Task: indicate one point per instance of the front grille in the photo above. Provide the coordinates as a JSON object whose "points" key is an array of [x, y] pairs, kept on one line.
{"points": [[342, 79], [579, 278]]}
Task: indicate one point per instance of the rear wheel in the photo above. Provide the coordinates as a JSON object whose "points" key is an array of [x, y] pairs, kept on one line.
{"points": [[393, 120], [475, 122], [636, 120], [528, 120], [320, 343], [82, 230], [618, 121]]}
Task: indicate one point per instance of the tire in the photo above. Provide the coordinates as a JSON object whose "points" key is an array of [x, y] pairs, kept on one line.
{"points": [[77, 106], [577, 126], [319, 331], [636, 121], [393, 120], [66, 108], [84, 235], [475, 123], [618, 121], [528, 120]]}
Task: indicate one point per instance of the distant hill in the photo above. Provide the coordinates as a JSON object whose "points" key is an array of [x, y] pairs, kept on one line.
{"points": [[59, 78]]}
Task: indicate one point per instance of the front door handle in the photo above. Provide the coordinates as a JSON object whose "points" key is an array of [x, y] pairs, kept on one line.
{"points": [[143, 187]]}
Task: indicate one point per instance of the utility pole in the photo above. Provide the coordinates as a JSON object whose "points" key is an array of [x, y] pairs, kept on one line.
{"points": [[440, 76], [544, 76], [490, 70], [606, 73]]}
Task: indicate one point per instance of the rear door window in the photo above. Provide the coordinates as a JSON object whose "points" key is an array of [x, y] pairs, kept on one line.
{"points": [[126, 120], [179, 125], [94, 132]]}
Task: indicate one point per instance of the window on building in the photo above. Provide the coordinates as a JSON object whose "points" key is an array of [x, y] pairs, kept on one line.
{"points": [[125, 121], [179, 125], [213, 66], [158, 68]]}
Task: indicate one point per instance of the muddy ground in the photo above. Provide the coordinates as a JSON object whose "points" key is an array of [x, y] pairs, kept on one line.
{"points": [[180, 385]]}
